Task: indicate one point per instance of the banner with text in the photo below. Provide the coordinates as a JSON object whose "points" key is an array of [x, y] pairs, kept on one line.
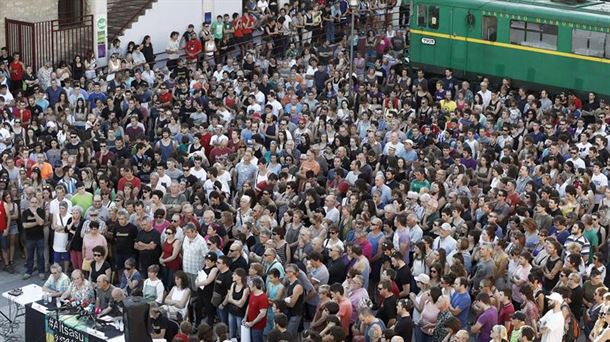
{"points": [[65, 329]]}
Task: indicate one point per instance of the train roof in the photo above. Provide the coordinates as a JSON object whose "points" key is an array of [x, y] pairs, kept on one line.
{"points": [[591, 12]]}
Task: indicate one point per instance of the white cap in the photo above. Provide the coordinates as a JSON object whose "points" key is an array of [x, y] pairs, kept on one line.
{"points": [[556, 297]]}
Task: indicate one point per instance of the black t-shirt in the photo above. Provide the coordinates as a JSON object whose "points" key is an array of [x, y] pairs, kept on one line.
{"points": [[239, 263], [124, 238], [159, 323], [95, 273], [36, 232], [387, 311], [336, 271], [404, 328], [149, 257], [123, 153], [403, 277], [223, 283], [275, 336]]}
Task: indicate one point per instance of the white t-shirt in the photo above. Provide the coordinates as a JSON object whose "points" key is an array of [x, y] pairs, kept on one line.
{"points": [[555, 322], [173, 46], [600, 181]]}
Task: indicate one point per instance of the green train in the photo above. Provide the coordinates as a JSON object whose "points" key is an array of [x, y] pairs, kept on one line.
{"points": [[540, 43]]}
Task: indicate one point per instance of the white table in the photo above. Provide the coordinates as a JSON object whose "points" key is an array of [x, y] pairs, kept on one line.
{"points": [[31, 293]]}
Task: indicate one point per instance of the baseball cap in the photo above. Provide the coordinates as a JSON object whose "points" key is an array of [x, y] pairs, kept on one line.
{"points": [[556, 297], [423, 278], [211, 256]]}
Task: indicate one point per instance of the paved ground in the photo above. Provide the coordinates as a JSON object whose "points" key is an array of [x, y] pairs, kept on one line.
{"points": [[8, 282]]}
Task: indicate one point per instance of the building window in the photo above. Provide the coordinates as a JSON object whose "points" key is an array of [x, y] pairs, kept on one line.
{"points": [[421, 15], [532, 34], [433, 14], [70, 12], [589, 43], [490, 28]]}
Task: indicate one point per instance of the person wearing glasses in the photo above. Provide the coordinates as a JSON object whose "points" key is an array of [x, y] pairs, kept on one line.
{"points": [[99, 266], [80, 289], [57, 283], [170, 258]]}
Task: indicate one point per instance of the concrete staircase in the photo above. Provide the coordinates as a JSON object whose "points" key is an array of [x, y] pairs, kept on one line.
{"points": [[123, 13]]}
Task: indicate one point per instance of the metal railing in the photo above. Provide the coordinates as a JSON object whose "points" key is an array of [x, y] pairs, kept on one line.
{"points": [[258, 37]]}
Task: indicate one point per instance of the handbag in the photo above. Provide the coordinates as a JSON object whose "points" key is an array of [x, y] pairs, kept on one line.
{"points": [[201, 276], [216, 299], [86, 267]]}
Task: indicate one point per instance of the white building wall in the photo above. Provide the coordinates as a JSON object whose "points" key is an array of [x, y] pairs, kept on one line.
{"points": [[166, 16]]}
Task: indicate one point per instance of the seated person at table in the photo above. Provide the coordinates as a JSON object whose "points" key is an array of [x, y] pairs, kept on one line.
{"points": [[80, 290], [159, 322], [176, 301], [103, 294], [153, 286], [57, 283], [116, 303], [131, 280]]}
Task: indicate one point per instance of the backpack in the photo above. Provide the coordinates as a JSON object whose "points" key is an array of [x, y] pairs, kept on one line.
{"points": [[572, 328]]}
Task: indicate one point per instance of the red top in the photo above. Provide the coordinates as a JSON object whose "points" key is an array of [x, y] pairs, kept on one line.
{"points": [[135, 183], [168, 249], [237, 28], [25, 115], [3, 218], [165, 98], [255, 305], [16, 69], [247, 21], [193, 49]]}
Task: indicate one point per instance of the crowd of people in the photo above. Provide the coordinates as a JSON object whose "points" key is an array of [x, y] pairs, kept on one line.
{"points": [[260, 188]]}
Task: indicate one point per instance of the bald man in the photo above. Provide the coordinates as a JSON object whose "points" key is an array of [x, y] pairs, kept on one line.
{"points": [[104, 294]]}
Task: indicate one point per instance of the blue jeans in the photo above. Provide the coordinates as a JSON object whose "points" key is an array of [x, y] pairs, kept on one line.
{"points": [[234, 326], [256, 335], [223, 315], [38, 247], [293, 325]]}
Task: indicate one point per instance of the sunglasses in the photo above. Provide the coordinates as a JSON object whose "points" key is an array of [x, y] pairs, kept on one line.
{"points": [[169, 233], [97, 255]]}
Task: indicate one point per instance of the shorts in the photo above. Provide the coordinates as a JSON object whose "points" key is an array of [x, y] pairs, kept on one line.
{"points": [[13, 229], [61, 256], [3, 241]]}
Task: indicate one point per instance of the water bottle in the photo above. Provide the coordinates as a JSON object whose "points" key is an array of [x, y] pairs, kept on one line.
{"points": [[45, 297]]}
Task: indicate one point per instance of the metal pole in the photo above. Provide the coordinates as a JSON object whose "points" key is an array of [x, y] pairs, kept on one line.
{"points": [[351, 54]]}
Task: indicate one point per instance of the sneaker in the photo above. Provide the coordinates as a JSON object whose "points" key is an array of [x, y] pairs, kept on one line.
{"points": [[26, 276], [11, 269], [42, 276]]}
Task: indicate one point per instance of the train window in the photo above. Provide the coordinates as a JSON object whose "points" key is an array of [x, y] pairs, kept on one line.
{"points": [[608, 46], [433, 14], [421, 15], [531, 34], [588, 43], [490, 28]]}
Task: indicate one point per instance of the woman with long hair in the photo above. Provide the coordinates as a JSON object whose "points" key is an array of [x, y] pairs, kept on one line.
{"points": [[12, 210], [236, 302], [177, 300], [75, 225], [148, 51]]}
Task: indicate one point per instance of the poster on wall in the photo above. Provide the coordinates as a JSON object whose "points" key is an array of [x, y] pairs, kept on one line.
{"points": [[101, 25]]}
